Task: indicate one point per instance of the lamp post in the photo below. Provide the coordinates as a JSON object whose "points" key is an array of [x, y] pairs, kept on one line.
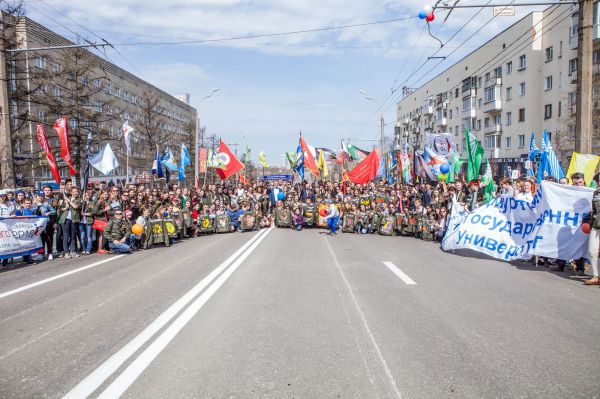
{"points": [[196, 145], [382, 122]]}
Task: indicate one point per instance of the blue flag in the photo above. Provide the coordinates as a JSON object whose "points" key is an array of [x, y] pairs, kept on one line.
{"points": [[300, 162], [168, 160], [549, 163], [392, 168], [533, 152], [157, 166], [381, 169], [184, 160]]}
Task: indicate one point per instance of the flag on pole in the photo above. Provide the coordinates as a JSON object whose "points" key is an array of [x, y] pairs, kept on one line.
{"points": [[229, 165], [329, 154], [533, 152], [61, 126], [583, 163], [41, 135], [291, 157], [168, 160], [366, 170], [355, 152], [488, 182], [127, 130], [549, 163], [157, 169], [105, 160], [243, 179], [392, 168], [263, 159], [309, 159], [456, 163], [322, 164], [300, 162], [248, 154], [202, 160], [184, 160], [381, 168], [474, 156]]}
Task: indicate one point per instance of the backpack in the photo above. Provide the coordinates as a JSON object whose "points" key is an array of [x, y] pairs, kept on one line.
{"points": [[309, 215], [222, 224], [349, 223], [283, 218], [387, 225], [205, 225], [248, 221]]}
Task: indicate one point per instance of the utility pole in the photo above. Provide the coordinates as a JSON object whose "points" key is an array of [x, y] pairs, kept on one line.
{"points": [[383, 144], [197, 155], [583, 116], [7, 172]]}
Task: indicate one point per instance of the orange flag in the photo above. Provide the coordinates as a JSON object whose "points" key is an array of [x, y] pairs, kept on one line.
{"points": [[230, 165], [309, 160]]}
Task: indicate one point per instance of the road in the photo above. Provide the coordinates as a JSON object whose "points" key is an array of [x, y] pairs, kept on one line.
{"points": [[285, 314]]}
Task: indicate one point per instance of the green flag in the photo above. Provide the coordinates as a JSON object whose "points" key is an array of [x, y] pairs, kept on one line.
{"points": [[291, 157], [474, 156], [355, 152], [456, 164], [488, 182], [247, 153]]}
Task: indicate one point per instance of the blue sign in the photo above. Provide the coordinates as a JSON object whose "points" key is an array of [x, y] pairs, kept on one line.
{"points": [[277, 177]]}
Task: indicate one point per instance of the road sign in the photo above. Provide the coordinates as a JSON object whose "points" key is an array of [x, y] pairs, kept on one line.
{"points": [[504, 11]]}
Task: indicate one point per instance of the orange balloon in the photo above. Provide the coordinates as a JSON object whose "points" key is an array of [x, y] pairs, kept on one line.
{"points": [[137, 229], [586, 227]]}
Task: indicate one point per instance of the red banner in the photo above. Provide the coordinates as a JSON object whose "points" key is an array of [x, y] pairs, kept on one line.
{"points": [[230, 164], [202, 160], [41, 135], [62, 129], [366, 170], [309, 160]]}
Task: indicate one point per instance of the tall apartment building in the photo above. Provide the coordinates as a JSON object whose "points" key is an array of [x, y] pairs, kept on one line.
{"points": [[95, 94], [521, 81]]}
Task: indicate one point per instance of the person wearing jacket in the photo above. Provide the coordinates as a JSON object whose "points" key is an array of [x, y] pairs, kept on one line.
{"points": [[69, 220], [86, 222], [594, 240], [27, 209], [45, 208], [118, 234]]}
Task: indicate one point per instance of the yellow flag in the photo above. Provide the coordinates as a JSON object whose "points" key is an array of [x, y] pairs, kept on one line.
{"points": [[263, 159], [322, 164], [583, 163]]}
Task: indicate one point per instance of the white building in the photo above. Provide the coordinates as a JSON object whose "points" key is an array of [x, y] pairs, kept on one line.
{"points": [[521, 81]]}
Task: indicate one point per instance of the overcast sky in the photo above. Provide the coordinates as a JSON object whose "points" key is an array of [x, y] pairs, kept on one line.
{"points": [[272, 88]]}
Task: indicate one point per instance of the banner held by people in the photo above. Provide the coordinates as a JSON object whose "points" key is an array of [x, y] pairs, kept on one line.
{"points": [[20, 236]]}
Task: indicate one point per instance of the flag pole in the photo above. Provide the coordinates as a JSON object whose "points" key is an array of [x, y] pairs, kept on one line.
{"points": [[127, 165]]}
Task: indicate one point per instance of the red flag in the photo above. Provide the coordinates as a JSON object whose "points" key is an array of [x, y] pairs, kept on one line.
{"points": [[202, 160], [230, 164], [62, 129], [243, 179], [309, 160], [366, 170], [41, 135]]}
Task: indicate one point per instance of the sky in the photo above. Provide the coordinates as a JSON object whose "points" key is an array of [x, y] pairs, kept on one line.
{"points": [[272, 88]]}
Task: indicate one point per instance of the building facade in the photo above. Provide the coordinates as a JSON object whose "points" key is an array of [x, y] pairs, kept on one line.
{"points": [[519, 82], [95, 94]]}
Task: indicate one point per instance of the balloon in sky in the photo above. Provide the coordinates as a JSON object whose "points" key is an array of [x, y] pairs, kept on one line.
{"points": [[422, 15], [430, 17]]}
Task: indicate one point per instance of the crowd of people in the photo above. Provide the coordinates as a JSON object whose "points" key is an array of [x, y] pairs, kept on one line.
{"points": [[100, 218]]}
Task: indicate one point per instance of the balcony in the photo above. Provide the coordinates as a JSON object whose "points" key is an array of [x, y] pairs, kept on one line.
{"points": [[493, 82], [493, 129], [428, 110], [405, 121], [469, 113], [493, 106], [416, 116], [442, 122]]}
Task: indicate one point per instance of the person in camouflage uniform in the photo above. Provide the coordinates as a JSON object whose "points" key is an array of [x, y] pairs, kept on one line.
{"points": [[118, 234]]}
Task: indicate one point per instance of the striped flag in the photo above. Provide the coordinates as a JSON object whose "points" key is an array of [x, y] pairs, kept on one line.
{"points": [[474, 156], [533, 152], [549, 163]]}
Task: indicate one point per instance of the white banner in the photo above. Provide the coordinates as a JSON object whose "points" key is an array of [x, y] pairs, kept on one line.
{"points": [[20, 235], [442, 144], [508, 229]]}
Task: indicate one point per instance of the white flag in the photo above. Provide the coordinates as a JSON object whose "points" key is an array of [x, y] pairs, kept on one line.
{"points": [[105, 160], [127, 135]]}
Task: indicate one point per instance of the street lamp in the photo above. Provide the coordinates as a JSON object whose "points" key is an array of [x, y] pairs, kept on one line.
{"points": [[196, 146], [381, 119]]}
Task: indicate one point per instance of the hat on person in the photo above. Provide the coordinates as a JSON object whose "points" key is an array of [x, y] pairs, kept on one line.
{"points": [[3, 192], [20, 192]]}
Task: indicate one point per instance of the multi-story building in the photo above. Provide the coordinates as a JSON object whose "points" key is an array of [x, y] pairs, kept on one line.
{"points": [[521, 81], [95, 94]]}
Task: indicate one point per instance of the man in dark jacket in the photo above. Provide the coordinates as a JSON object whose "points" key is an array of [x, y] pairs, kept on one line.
{"points": [[118, 234]]}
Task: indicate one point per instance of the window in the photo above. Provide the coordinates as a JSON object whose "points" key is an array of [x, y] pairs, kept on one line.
{"points": [[480, 103], [450, 114], [522, 88], [42, 116], [521, 114], [574, 26], [573, 102], [508, 93], [559, 109], [560, 46], [478, 124], [549, 54], [522, 62], [57, 91], [508, 142], [521, 140], [490, 94], [498, 119], [107, 88], [548, 83], [572, 66], [492, 141], [547, 111], [498, 72], [96, 83], [486, 122], [596, 57], [479, 82], [456, 93], [508, 118], [40, 62], [56, 68], [509, 68], [487, 76], [466, 104]]}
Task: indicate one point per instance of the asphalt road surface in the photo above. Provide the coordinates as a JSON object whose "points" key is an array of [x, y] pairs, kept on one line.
{"points": [[283, 314]]}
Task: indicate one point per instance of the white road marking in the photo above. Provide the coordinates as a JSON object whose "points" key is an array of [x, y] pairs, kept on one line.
{"points": [[388, 373], [49, 279], [137, 367], [403, 276], [106, 369]]}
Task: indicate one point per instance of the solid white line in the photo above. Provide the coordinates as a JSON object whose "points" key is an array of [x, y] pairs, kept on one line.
{"points": [[388, 373], [133, 371], [106, 369], [49, 279], [403, 276]]}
